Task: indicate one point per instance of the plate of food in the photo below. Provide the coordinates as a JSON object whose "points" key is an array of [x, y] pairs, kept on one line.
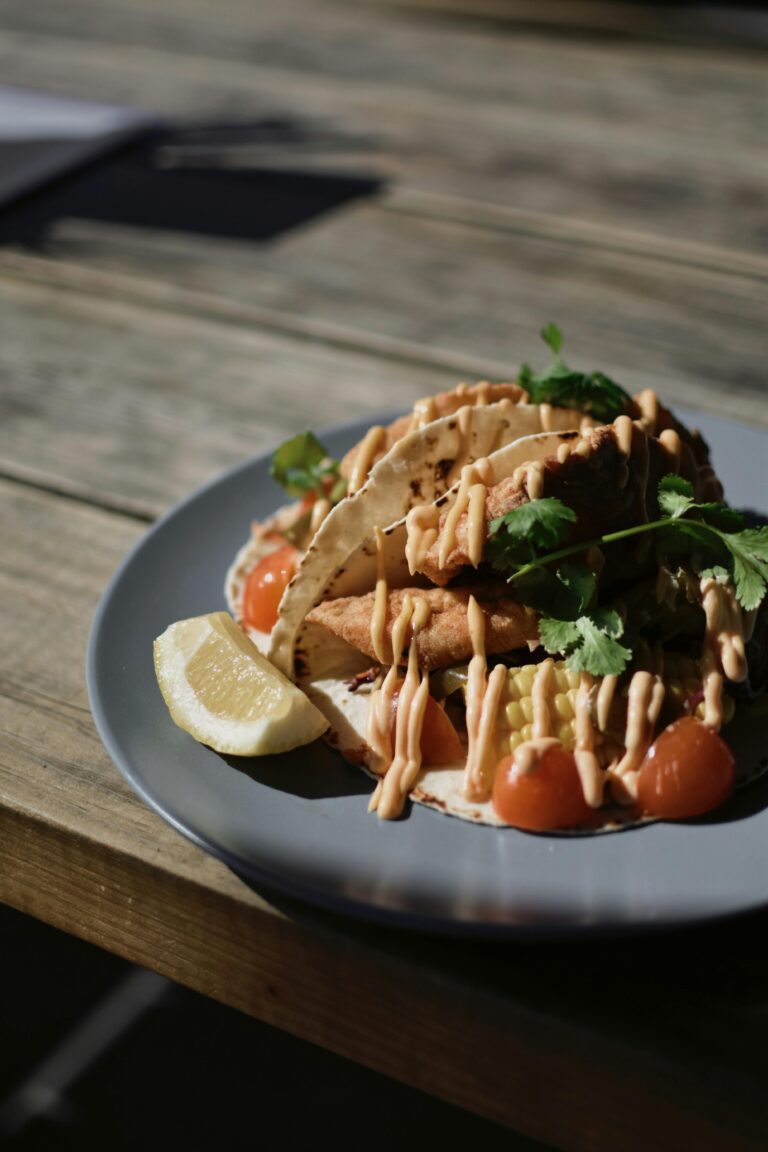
{"points": [[497, 665]]}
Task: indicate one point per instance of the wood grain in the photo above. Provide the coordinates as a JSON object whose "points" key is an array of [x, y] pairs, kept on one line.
{"points": [[677, 22], [131, 406], [551, 1054], [467, 297], [135, 406]]}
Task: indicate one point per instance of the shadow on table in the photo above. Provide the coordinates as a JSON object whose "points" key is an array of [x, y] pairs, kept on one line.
{"points": [[245, 181], [321, 775]]}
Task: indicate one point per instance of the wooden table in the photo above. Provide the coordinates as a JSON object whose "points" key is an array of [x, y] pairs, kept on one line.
{"points": [[488, 176]]}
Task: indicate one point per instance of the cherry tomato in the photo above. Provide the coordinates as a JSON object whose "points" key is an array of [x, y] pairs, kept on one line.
{"points": [[265, 586], [548, 797], [688, 770], [440, 742]]}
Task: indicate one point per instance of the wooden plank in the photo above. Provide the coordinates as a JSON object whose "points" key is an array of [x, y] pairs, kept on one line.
{"points": [[653, 138], [551, 1054], [134, 406], [452, 298], [503, 218], [734, 24]]}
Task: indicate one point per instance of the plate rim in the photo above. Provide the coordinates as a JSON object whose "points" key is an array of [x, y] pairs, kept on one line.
{"points": [[261, 876]]}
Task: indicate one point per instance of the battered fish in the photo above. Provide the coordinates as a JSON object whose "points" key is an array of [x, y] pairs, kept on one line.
{"points": [[445, 638]]}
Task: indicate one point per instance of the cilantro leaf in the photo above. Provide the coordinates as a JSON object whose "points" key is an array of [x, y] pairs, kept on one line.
{"points": [[721, 516], [675, 495], [580, 582], [302, 465], [721, 537], [608, 621], [515, 537], [558, 636], [716, 572], [750, 564], [590, 644], [599, 652], [756, 541], [590, 392], [678, 537], [553, 337], [671, 482], [542, 590], [563, 596]]}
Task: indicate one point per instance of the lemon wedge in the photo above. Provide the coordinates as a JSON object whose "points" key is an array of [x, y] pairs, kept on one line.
{"points": [[220, 689]]}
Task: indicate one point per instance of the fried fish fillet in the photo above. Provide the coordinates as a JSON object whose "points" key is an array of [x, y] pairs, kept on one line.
{"points": [[445, 638], [606, 489]]}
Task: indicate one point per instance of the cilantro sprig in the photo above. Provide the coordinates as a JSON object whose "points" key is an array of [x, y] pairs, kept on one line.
{"points": [[516, 537], [565, 591], [590, 643], [591, 392], [302, 465]]}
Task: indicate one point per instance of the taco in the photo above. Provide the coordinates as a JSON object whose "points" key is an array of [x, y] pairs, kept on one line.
{"points": [[554, 642], [429, 445], [413, 460]]}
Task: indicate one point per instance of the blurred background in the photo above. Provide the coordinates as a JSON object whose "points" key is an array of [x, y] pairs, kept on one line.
{"points": [[248, 217]]}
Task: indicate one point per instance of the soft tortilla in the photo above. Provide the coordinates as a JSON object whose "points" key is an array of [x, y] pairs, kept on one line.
{"points": [[338, 564], [419, 468]]}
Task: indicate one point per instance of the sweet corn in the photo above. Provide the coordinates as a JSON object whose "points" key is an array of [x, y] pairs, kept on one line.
{"points": [[682, 679], [565, 735], [517, 712], [515, 716], [562, 706]]}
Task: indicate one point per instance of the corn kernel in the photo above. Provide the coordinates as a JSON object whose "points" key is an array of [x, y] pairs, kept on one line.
{"points": [[514, 740], [573, 679], [565, 735], [512, 692], [514, 716], [527, 706], [561, 679], [527, 732], [563, 706], [524, 682], [572, 695]]}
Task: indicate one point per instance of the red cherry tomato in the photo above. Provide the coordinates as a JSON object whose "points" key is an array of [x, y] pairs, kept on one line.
{"points": [[265, 586], [688, 770], [550, 796], [440, 742], [312, 496]]}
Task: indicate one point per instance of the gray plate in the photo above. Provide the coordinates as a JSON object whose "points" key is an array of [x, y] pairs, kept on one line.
{"points": [[297, 824]]}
